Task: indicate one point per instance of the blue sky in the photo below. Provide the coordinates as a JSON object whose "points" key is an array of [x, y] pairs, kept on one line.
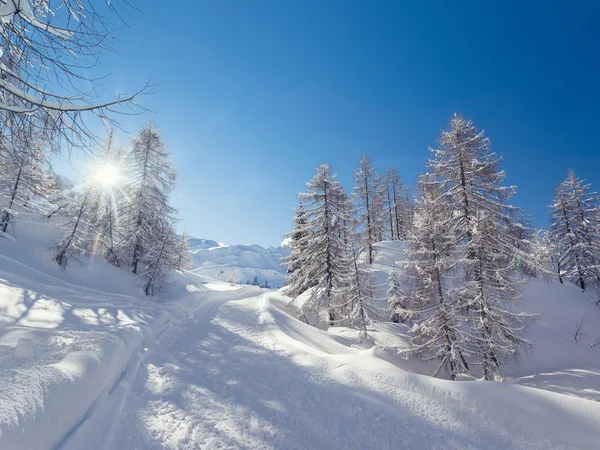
{"points": [[252, 95]]}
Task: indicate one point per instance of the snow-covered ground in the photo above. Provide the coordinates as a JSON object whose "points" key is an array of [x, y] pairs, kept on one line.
{"points": [[87, 362], [248, 262]]}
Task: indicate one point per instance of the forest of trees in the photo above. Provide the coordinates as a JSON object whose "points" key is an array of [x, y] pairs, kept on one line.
{"points": [[467, 252], [334, 237], [47, 110]]}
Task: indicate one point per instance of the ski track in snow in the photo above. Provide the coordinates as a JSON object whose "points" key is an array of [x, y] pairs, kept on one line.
{"points": [[243, 374]]}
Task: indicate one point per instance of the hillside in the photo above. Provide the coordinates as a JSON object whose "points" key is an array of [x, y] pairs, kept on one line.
{"points": [[87, 362], [251, 263], [555, 360]]}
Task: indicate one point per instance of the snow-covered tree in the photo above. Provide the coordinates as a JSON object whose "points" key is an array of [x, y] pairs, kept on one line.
{"points": [[432, 300], [109, 203], [369, 208], [543, 254], [325, 258], [294, 261], [183, 257], [48, 48], [575, 231], [77, 231], [358, 294], [151, 180], [158, 262], [395, 297], [468, 176], [24, 174], [401, 208], [523, 234], [390, 206]]}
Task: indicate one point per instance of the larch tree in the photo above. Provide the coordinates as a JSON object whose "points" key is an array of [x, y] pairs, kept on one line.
{"points": [[369, 208], [25, 173], [468, 175], [390, 206], [432, 299], [159, 260], [395, 297], [400, 204], [359, 296], [151, 180], [183, 256], [575, 231], [297, 281], [77, 235], [325, 258], [110, 201]]}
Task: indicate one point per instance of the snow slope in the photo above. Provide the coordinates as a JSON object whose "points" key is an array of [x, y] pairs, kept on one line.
{"points": [[87, 362], [555, 360], [242, 373], [217, 260]]}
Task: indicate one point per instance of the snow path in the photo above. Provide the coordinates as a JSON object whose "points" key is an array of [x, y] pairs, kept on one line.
{"points": [[238, 372]]}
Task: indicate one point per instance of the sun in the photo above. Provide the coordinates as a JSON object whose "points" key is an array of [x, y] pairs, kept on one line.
{"points": [[107, 175]]}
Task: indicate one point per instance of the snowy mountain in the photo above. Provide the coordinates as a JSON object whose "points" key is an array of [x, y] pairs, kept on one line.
{"points": [[249, 263]]}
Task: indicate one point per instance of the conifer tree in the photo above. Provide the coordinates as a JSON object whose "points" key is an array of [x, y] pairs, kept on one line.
{"points": [[395, 297], [390, 204], [369, 209], [401, 204], [431, 299], [24, 174], [575, 231], [359, 295], [158, 262], [151, 180], [183, 256], [324, 256], [294, 261], [77, 237], [468, 175]]}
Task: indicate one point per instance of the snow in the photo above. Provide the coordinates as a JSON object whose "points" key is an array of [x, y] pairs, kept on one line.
{"points": [[216, 260], [88, 362]]}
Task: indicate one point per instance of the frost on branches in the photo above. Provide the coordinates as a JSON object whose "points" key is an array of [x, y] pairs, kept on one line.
{"points": [[359, 307], [575, 231], [159, 260], [109, 203], [25, 175], [298, 283], [47, 51], [77, 238], [369, 208], [324, 258], [151, 181], [399, 205], [433, 295], [467, 175], [183, 254]]}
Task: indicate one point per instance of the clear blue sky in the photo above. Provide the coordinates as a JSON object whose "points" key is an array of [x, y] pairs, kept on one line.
{"points": [[252, 95]]}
